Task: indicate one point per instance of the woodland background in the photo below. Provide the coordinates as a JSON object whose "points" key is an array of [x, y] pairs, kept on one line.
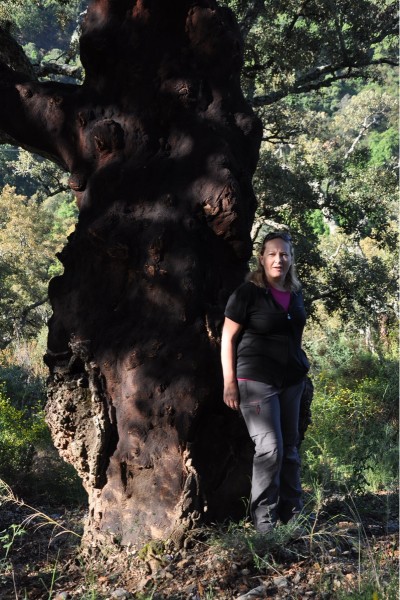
{"points": [[327, 171]]}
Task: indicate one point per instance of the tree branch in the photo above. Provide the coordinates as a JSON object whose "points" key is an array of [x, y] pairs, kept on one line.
{"points": [[54, 68], [392, 25], [367, 123], [296, 17], [276, 139], [311, 81], [12, 55], [24, 314], [321, 296], [7, 139], [29, 112]]}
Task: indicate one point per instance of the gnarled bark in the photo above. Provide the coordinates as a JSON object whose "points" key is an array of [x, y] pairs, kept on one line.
{"points": [[161, 147]]}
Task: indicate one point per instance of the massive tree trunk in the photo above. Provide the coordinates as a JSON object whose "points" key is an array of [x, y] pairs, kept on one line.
{"points": [[161, 147]]}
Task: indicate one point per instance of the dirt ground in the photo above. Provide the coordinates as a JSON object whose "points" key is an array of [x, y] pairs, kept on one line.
{"points": [[349, 550]]}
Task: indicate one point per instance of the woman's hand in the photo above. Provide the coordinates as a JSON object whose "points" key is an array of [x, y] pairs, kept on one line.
{"points": [[231, 395]]}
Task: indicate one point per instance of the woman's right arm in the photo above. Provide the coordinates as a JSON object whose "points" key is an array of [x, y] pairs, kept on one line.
{"points": [[230, 333]]}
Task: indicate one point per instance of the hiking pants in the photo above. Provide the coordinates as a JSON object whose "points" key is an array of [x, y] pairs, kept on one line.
{"points": [[272, 418]]}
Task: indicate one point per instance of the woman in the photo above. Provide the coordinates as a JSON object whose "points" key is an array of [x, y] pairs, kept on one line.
{"points": [[264, 372]]}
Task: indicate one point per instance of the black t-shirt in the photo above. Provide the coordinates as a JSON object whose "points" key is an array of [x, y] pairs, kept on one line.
{"points": [[269, 345]]}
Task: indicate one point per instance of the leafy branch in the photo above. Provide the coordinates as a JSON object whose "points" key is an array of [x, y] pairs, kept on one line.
{"points": [[312, 81]]}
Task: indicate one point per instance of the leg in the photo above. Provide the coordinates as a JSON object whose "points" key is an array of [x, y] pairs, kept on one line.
{"points": [[290, 501], [259, 404]]}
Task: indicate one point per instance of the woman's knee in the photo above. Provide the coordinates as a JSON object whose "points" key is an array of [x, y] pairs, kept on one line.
{"points": [[268, 448]]}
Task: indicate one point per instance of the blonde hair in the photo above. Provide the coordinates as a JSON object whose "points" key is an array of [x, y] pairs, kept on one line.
{"points": [[291, 282]]}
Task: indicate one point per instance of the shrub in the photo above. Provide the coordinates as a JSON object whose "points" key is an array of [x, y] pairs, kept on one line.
{"points": [[20, 432], [23, 372], [353, 439], [28, 459]]}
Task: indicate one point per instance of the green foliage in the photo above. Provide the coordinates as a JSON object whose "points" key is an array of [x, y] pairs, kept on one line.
{"points": [[383, 146], [28, 459], [20, 431], [326, 171], [292, 48], [32, 52], [33, 176], [358, 283], [23, 372], [353, 440], [25, 388], [36, 20], [30, 235], [317, 222], [8, 537]]}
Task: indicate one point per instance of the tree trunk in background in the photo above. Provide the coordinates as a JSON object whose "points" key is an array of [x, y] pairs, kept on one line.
{"points": [[161, 147]]}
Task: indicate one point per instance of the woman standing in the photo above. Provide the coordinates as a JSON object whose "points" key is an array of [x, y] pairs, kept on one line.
{"points": [[264, 370]]}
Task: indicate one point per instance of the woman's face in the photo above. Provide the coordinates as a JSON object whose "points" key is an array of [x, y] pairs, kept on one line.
{"points": [[276, 260]]}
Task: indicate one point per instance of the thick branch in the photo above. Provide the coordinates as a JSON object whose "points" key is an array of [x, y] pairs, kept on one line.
{"points": [[322, 295], [12, 55], [53, 68], [311, 81], [32, 115], [7, 139]]}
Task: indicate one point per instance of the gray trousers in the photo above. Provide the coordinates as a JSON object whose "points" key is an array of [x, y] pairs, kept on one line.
{"points": [[272, 417]]}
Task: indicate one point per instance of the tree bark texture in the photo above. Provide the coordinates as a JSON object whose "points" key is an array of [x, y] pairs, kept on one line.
{"points": [[161, 147]]}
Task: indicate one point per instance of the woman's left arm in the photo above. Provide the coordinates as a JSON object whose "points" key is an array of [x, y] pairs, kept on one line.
{"points": [[230, 333]]}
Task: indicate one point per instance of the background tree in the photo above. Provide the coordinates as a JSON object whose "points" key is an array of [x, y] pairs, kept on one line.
{"points": [[328, 186], [321, 77], [30, 235]]}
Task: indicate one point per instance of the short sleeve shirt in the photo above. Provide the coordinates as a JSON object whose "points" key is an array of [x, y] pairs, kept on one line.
{"points": [[269, 345]]}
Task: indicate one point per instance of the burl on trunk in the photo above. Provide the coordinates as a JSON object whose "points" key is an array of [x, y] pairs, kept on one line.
{"points": [[161, 147]]}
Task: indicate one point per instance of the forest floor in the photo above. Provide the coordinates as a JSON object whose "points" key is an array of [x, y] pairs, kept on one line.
{"points": [[349, 550]]}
